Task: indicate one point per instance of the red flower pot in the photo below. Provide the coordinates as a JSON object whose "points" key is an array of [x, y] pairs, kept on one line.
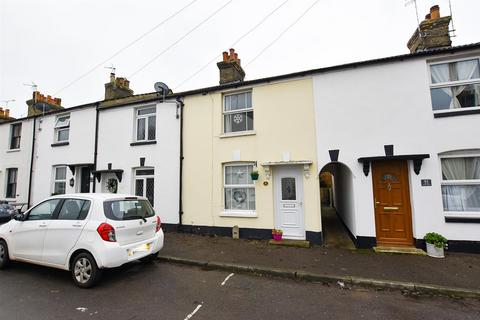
{"points": [[277, 236]]}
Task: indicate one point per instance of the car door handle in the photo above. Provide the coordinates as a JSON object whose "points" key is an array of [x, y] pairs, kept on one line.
{"points": [[42, 225], [76, 225]]}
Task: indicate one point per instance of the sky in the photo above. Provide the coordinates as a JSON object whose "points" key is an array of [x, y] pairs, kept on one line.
{"points": [[53, 43]]}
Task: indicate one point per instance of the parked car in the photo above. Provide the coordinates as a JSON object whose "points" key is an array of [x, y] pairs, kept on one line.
{"points": [[7, 211], [83, 233]]}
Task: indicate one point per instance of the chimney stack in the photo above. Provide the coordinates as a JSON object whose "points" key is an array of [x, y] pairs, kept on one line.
{"points": [[434, 32], [230, 68], [5, 115], [40, 104], [117, 88]]}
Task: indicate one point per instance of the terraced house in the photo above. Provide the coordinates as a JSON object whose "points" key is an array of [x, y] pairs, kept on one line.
{"points": [[385, 150]]}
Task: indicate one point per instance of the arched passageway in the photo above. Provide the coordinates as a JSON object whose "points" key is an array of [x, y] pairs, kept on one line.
{"points": [[338, 214]]}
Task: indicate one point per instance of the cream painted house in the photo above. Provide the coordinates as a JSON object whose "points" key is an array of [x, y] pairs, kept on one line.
{"points": [[239, 127]]}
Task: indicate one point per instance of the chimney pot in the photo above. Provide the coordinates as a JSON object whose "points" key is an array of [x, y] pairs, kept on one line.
{"points": [[435, 12], [230, 69], [427, 17], [7, 113]]}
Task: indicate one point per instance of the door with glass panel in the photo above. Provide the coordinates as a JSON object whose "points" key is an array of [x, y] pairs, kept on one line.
{"points": [[145, 184], [289, 202], [393, 217]]}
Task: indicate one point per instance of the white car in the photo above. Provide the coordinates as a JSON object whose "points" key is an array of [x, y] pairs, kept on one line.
{"points": [[83, 233]]}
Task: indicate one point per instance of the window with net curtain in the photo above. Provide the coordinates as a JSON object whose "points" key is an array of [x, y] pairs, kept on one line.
{"points": [[461, 184], [455, 85], [239, 188], [237, 112]]}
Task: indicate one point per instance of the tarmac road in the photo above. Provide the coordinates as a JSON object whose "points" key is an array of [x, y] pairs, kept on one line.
{"points": [[167, 291]]}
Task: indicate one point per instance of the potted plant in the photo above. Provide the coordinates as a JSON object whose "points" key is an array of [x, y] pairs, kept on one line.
{"points": [[277, 234], [436, 243], [254, 175]]}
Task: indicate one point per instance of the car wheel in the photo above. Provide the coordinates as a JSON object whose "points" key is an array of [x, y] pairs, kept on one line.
{"points": [[85, 272], [4, 258], [149, 258]]}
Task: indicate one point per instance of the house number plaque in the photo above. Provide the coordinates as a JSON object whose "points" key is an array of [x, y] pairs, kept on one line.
{"points": [[426, 182]]}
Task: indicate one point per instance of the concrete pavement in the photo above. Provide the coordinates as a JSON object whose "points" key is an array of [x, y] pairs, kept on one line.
{"points": [[458, 272]]}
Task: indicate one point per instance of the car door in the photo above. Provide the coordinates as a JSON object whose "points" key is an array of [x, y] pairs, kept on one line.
{"points": [[64, 230], [27, 237]]}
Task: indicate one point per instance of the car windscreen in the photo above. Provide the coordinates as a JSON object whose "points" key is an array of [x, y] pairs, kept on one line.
{"points": [[7, 209], [128, 209]]}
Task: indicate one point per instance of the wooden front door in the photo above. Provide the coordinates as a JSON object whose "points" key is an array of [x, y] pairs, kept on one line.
{"points": [[393, 216]]}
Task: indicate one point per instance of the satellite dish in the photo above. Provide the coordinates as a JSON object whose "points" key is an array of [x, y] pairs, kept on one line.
{"points": [[162, 88]]}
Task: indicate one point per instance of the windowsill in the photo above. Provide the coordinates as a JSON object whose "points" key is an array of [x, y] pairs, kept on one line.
{"points": [[238, 134], [142, 143], [14, 150], [456, 112], [239, 214], [59, 144]]}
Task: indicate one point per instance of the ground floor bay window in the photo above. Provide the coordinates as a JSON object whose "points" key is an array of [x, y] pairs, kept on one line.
{"points": [[144, 182], [461, 185], [239, 190]]}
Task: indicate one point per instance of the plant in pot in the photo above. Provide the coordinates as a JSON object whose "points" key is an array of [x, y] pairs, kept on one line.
{"points": [[254, 175], [436, 244], [277, 234]]}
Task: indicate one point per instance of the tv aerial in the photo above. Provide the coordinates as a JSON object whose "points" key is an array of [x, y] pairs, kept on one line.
{"points": [[7, 102], [32, 85]]}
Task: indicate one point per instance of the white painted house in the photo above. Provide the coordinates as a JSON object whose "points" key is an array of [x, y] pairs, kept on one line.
{"points": [[63, 152], [400, 136], [126, 144], [139, 153], [15, 154]]}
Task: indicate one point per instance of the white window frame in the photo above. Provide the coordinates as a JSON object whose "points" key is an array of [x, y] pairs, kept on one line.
{"points": [[451, 83], [55, 180], [146, 117], [144, 181], [244, 110], [12, 126], [60, 127], [237, 213], [459, 214], [7, 174]]}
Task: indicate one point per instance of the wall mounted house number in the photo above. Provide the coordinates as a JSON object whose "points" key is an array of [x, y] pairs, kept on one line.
{"points": [[426, 182]]}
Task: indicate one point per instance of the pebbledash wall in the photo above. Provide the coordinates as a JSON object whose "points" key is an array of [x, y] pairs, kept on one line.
{"points": [[284, 131], [16, 158], [359, 110], [117, 146]]}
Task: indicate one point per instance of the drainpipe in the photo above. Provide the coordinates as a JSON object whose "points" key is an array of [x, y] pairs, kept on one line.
{"points": [[95, 152], [31, 164], [180, 204]]}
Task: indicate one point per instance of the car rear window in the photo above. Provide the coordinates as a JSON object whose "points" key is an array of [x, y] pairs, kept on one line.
{"points": [[128, 209]]}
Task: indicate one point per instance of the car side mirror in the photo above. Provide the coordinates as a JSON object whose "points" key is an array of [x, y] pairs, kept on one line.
{"points": [[19, 217]]}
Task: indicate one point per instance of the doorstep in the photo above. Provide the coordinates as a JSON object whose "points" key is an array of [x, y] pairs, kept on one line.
{"points": [[402, 250], [290, 243]]}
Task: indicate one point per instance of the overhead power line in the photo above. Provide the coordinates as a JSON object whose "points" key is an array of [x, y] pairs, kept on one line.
{"points": [[283, 32], [127, 46], [180, 39], [232, 45]]}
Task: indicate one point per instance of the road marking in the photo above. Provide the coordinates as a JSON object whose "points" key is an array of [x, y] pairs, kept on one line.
{"points": [[194, 311], [226, 279]]}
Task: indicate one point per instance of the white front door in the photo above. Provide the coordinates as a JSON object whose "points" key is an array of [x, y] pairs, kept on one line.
{"points": [[289, 202]]}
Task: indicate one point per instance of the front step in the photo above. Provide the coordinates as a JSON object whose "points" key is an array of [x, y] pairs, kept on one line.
{"points": [[401, 250], [290, 243]]}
